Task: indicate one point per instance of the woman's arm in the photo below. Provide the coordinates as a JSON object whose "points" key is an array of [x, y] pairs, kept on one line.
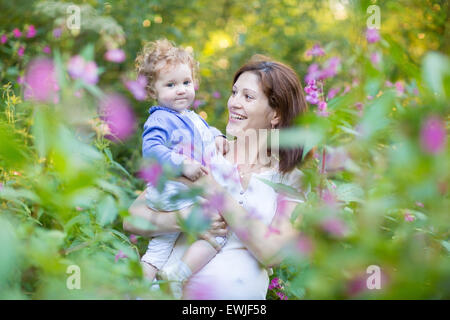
{"points": [[164, 222], [266, 243]]}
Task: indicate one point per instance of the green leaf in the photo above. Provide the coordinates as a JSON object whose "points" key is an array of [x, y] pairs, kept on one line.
{"points": [[282, 188], [435, 68], [349, 192], [106, 211]]}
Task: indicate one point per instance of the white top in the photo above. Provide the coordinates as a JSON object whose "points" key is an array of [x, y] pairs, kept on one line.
{"points": [[234, 273]]}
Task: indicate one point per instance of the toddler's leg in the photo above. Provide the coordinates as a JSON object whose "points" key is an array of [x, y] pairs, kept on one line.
{"points": [[198, 255], [149, 271]]}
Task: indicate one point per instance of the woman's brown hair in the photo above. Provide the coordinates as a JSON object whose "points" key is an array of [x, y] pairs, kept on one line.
{"points": [[285, 95]]}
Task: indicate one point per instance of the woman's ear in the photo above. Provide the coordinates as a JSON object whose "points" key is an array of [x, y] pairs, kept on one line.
{"points": [[275, 121]]}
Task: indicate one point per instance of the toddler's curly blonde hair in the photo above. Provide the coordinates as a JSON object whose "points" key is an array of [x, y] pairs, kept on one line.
{"points": [[156, 56]]}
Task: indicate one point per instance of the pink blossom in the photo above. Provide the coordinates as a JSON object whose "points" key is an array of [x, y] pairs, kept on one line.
{"points": [[409, 217], [347, 89], [375, 58], [214, 203], [119, 116], [133, 238], [433, 135], [137, 88], [388, 84], [305, 245], [216, 95], [313, 73], [120, 255], [20, 80], [57, 33], [78, 68], [31, 32], [400, 88], [21, 51], [47, 50], [419, 204], [329, 198], [316, 50], [197, 103], [3, 39], [334, 226], [330, 69], [40, 81], [281, 295], [115, 55], [90, 73], [332, 92], [322, 109], [275, 284], [16, 33], [372, 35], [151, 174], [270, 230]]}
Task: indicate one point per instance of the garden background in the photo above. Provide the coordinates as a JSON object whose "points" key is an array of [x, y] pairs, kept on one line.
{"points": [[71, 116]]}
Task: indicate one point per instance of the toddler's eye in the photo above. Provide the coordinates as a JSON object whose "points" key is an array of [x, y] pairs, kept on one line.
{"points": [[233, 92], [187, 82], [170, 85]]}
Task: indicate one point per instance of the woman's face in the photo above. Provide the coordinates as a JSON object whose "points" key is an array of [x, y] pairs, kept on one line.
{"points": [[248, 106]]}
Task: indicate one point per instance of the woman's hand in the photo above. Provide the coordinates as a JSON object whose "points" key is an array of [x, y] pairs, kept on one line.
{"points": [[218, 228]]}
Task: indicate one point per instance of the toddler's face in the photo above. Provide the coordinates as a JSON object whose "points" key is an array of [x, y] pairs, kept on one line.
{"points": [[174, 87]]}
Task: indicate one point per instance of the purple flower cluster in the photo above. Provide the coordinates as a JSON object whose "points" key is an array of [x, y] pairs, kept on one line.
{"points": [[316, 50], [79, 68], [313, 92]]}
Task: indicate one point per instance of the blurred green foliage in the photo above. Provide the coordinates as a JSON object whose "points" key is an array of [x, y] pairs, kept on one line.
{"points": [[65, 189]]}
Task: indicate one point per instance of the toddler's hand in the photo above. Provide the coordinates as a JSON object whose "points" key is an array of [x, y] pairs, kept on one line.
{"points": [[193, 169], [222, 146]]}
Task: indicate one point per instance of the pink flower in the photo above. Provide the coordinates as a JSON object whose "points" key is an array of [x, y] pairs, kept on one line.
{"points": [[21, 51], [16, 33], [3, 39], [31, 32], [78, 68], [347, 89], [419, 204], [375, 58], [118, 115], [214, 203], [133, 238], [332, 92], [313, 73], [90, 73], [216, 95], [197, 103], [304, 245], [270, 230], [409, 217], [40, 81], [329, 198], [330, 69], [57, 33], [20, 80], [400, 88], [275, 284], [120, 255], [137, 88], [46, 50], [322, 109], [151, 174], [372, 35], [316, 50], [281, 296], [334, 226], [115, 55], [388, 84], [433, 135]]}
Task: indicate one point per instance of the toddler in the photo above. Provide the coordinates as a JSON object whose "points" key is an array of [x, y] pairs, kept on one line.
{"points": [[171, 75]]}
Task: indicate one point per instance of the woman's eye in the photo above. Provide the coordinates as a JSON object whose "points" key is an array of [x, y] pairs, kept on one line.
{"points": [[248, 97]]}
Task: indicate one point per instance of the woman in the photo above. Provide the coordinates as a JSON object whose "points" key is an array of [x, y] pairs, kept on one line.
{"points": [[265, 95]]}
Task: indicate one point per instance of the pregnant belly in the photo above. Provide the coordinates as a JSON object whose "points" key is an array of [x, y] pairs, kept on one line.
{"points": [[231, 275]]}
